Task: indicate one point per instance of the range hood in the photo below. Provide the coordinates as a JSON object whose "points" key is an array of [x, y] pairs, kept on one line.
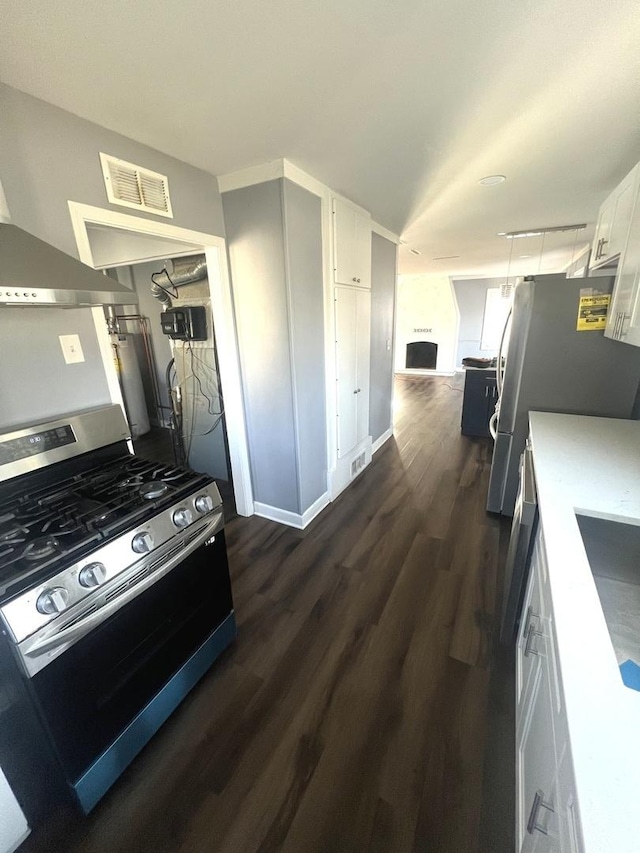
{"points": [[34, 273]]}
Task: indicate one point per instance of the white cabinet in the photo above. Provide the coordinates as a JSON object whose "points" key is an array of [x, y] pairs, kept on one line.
{"points": [[546, 807], [352, 325], [351, 245], [623, 320], [614, 219]]}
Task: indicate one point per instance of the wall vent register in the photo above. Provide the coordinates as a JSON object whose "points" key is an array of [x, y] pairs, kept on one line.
{"points": [[129, 185]]}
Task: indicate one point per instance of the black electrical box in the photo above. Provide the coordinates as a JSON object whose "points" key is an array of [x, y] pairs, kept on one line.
{"points": [[185, 324]]}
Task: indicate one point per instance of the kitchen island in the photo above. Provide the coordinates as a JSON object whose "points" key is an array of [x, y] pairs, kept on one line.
{"points": [[585, 468]]}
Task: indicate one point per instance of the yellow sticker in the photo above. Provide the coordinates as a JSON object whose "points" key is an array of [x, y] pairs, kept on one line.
{"points": [[592, 312]]}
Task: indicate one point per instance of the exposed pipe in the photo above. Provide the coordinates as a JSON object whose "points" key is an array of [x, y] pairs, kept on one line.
{"points": [[184, 272]]}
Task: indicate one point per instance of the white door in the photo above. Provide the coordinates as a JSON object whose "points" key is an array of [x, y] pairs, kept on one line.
{"points": [[363, 250], [602, 237], [527, 652], [623, 322], [363, 349], [624, 204], [345, 241], [351, 245], [346, 316], [537, 824]]}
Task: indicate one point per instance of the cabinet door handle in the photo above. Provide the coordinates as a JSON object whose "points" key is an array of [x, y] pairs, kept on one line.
{"points": [[530, 633], [354, 279], [358, 281], [599, 246], [602, 251], [486, 390], [538, 803], [355, 391], [528, 645]]}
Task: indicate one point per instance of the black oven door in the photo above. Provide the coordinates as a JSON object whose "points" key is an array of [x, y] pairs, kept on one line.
{"points": [[89, 694]]}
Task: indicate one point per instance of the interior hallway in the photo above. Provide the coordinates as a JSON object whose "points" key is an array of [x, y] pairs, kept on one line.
{"points": [[352, 715]]}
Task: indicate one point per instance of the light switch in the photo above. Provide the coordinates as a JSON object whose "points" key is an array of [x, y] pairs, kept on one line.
{"points": [[71, 348]]}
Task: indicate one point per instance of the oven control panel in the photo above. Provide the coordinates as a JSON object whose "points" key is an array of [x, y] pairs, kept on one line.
{"points": [[33, 609], [38, 442]]}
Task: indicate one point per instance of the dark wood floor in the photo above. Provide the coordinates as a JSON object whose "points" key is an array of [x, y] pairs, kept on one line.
{"points": [[354, 711]]}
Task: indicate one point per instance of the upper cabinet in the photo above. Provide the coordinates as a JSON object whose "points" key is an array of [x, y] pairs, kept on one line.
{"points": [[623, 320], [351, 245], [614, 220]]}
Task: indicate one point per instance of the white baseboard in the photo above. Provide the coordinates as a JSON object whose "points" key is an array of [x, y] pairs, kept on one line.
{"points": [[377, 444], [292, 519]]}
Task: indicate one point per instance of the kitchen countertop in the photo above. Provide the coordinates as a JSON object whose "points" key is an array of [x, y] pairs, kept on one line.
{"points": [[591, 466]]}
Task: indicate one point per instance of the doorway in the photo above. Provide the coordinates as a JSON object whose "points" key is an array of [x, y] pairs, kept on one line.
{"points": [[204, 374]]}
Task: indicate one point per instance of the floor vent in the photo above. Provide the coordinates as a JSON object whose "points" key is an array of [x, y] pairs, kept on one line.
{"points": [[357, 464], [129, 185]]}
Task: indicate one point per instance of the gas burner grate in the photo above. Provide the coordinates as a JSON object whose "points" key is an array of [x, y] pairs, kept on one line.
{"points": [[44, 528]]}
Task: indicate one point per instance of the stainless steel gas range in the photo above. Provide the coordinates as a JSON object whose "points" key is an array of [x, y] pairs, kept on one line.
{"points": [[114, 589]]}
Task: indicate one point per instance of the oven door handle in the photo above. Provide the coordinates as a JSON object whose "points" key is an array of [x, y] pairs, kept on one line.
{"points": [[80, 629]]}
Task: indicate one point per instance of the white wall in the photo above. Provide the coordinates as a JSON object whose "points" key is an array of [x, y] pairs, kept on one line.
{"points": [[426, 302]]}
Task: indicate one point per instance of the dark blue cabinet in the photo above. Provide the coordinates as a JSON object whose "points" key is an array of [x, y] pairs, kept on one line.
{"points": [[479, 401]]}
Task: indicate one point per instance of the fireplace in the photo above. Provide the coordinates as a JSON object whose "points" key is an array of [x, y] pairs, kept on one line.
{"points": [[422, 354]]}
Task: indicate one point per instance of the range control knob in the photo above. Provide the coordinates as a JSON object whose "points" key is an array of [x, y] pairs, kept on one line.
{"points": [[182, 517], [92, 575], [52, 600], [142, 543], [204, 503]]}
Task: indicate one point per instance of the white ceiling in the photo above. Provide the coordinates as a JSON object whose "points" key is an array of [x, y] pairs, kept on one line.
{"points": [[401, 106]]}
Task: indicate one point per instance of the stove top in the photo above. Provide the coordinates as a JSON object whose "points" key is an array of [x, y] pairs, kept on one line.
{"points": [[46, 527]]}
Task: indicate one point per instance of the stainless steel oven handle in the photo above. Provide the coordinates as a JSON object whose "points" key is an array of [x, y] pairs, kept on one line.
{"points": [[82, 628]]}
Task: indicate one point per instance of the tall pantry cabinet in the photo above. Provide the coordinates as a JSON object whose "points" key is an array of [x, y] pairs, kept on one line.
{"points": [[351, 253]]}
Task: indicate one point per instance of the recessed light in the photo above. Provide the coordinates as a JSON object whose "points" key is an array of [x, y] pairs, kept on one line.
{"points": [[415, 251], [492, 180], [446, 257]]}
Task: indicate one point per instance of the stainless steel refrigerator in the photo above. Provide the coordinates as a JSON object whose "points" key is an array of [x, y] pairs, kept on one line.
{"points": [[551, 367]]}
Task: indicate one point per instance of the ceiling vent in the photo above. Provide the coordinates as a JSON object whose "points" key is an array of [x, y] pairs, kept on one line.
{"points": [[129, 185]]}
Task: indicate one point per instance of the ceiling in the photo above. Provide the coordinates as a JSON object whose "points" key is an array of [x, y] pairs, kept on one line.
{"points": [[401, 106]]}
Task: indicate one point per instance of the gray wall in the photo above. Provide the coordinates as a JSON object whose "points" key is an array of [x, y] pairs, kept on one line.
{"points": [[274, 238], [383, 286], [303, 235], [35, 382], [49, 156], [470, 296]]}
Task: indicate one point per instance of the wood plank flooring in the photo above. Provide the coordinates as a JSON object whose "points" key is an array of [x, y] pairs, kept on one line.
{"points": [[352, 714]]}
